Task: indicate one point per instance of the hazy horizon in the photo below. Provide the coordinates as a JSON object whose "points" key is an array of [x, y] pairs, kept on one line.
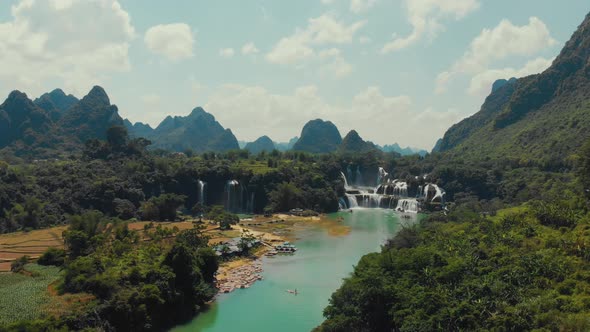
{"points": [[396, 71]]}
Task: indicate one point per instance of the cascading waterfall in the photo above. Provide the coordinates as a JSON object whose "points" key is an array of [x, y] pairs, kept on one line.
{"points": [[348, 173], [433, 193], [234, 195], [251, 203], [342, 203], [345, 181], [359, 177], [201, 186], [389, 193], [381, 175], [400, 189], [395, 188], [352, 202], [407, 205]]}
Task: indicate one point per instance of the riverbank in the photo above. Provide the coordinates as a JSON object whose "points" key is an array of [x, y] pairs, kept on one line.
{"points": [[316, 270], [243, 272]]}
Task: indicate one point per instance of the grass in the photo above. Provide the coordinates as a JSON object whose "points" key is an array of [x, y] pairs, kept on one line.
{"points": [[22, 296], [257, 167]]}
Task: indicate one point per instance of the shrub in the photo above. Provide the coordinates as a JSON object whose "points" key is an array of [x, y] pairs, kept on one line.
{"points": [[52, 256], [554, 214], [19, 264]]}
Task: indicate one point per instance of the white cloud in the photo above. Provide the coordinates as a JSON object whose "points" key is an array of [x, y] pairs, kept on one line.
{"points": [[364, 40], [174, 41], [290, 50], [319, 31], [59, 41], [226, 52], [504, 41], [481, 83], [359, 6], [249, 48], [327, 2], [282, 116], [334, 64], [300, 48], [338, 68], [425, 17], [329, 53]]}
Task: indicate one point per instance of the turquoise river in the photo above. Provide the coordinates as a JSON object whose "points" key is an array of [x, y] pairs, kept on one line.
{"points": [[316, 271]]}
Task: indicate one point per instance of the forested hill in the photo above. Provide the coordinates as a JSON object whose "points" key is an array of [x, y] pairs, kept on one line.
{"points": [[512, 252], [318, 136], [198, 131], [55, 124], [544, 117], [263, 143], [353, 143]]}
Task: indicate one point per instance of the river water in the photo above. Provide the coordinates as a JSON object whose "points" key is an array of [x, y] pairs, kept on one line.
{"points": [[316, 271]]}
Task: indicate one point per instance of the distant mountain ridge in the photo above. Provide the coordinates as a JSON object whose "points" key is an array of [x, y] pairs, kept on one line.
{"points": [[353, 142], [55, 123], [318, 136], [492, 106], [61, 122], [543, 117], [91, 116], [21, 121], [407, 151], [198, 131], [138, 129], [285, 146], [56, 99], [263, 143]]}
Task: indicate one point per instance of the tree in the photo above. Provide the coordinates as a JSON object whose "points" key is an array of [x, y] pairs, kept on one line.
{"points": [[76, 242], [27, 215], [19, 264], [162, 207], [52, 256], [124, 208], [584, 167], [225, 219], [286, 197], [198, 210], [96, 149], [246, 242], [193, 238], [117, 137]]}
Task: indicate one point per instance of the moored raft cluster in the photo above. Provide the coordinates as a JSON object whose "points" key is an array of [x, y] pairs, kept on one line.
{"points": [[241, 277]]}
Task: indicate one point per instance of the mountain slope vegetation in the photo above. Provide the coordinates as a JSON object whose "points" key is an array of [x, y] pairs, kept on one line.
{"points": [[318, 136], [541, 118], [353, 142], [263, 143], [199, 131]]}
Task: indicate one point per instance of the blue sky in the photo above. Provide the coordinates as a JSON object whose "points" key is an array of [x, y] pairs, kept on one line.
{"points": [[396, 70]]}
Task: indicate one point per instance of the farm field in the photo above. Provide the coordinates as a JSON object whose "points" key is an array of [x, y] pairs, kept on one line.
{"points": [[32, 244], [26, 296]]}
